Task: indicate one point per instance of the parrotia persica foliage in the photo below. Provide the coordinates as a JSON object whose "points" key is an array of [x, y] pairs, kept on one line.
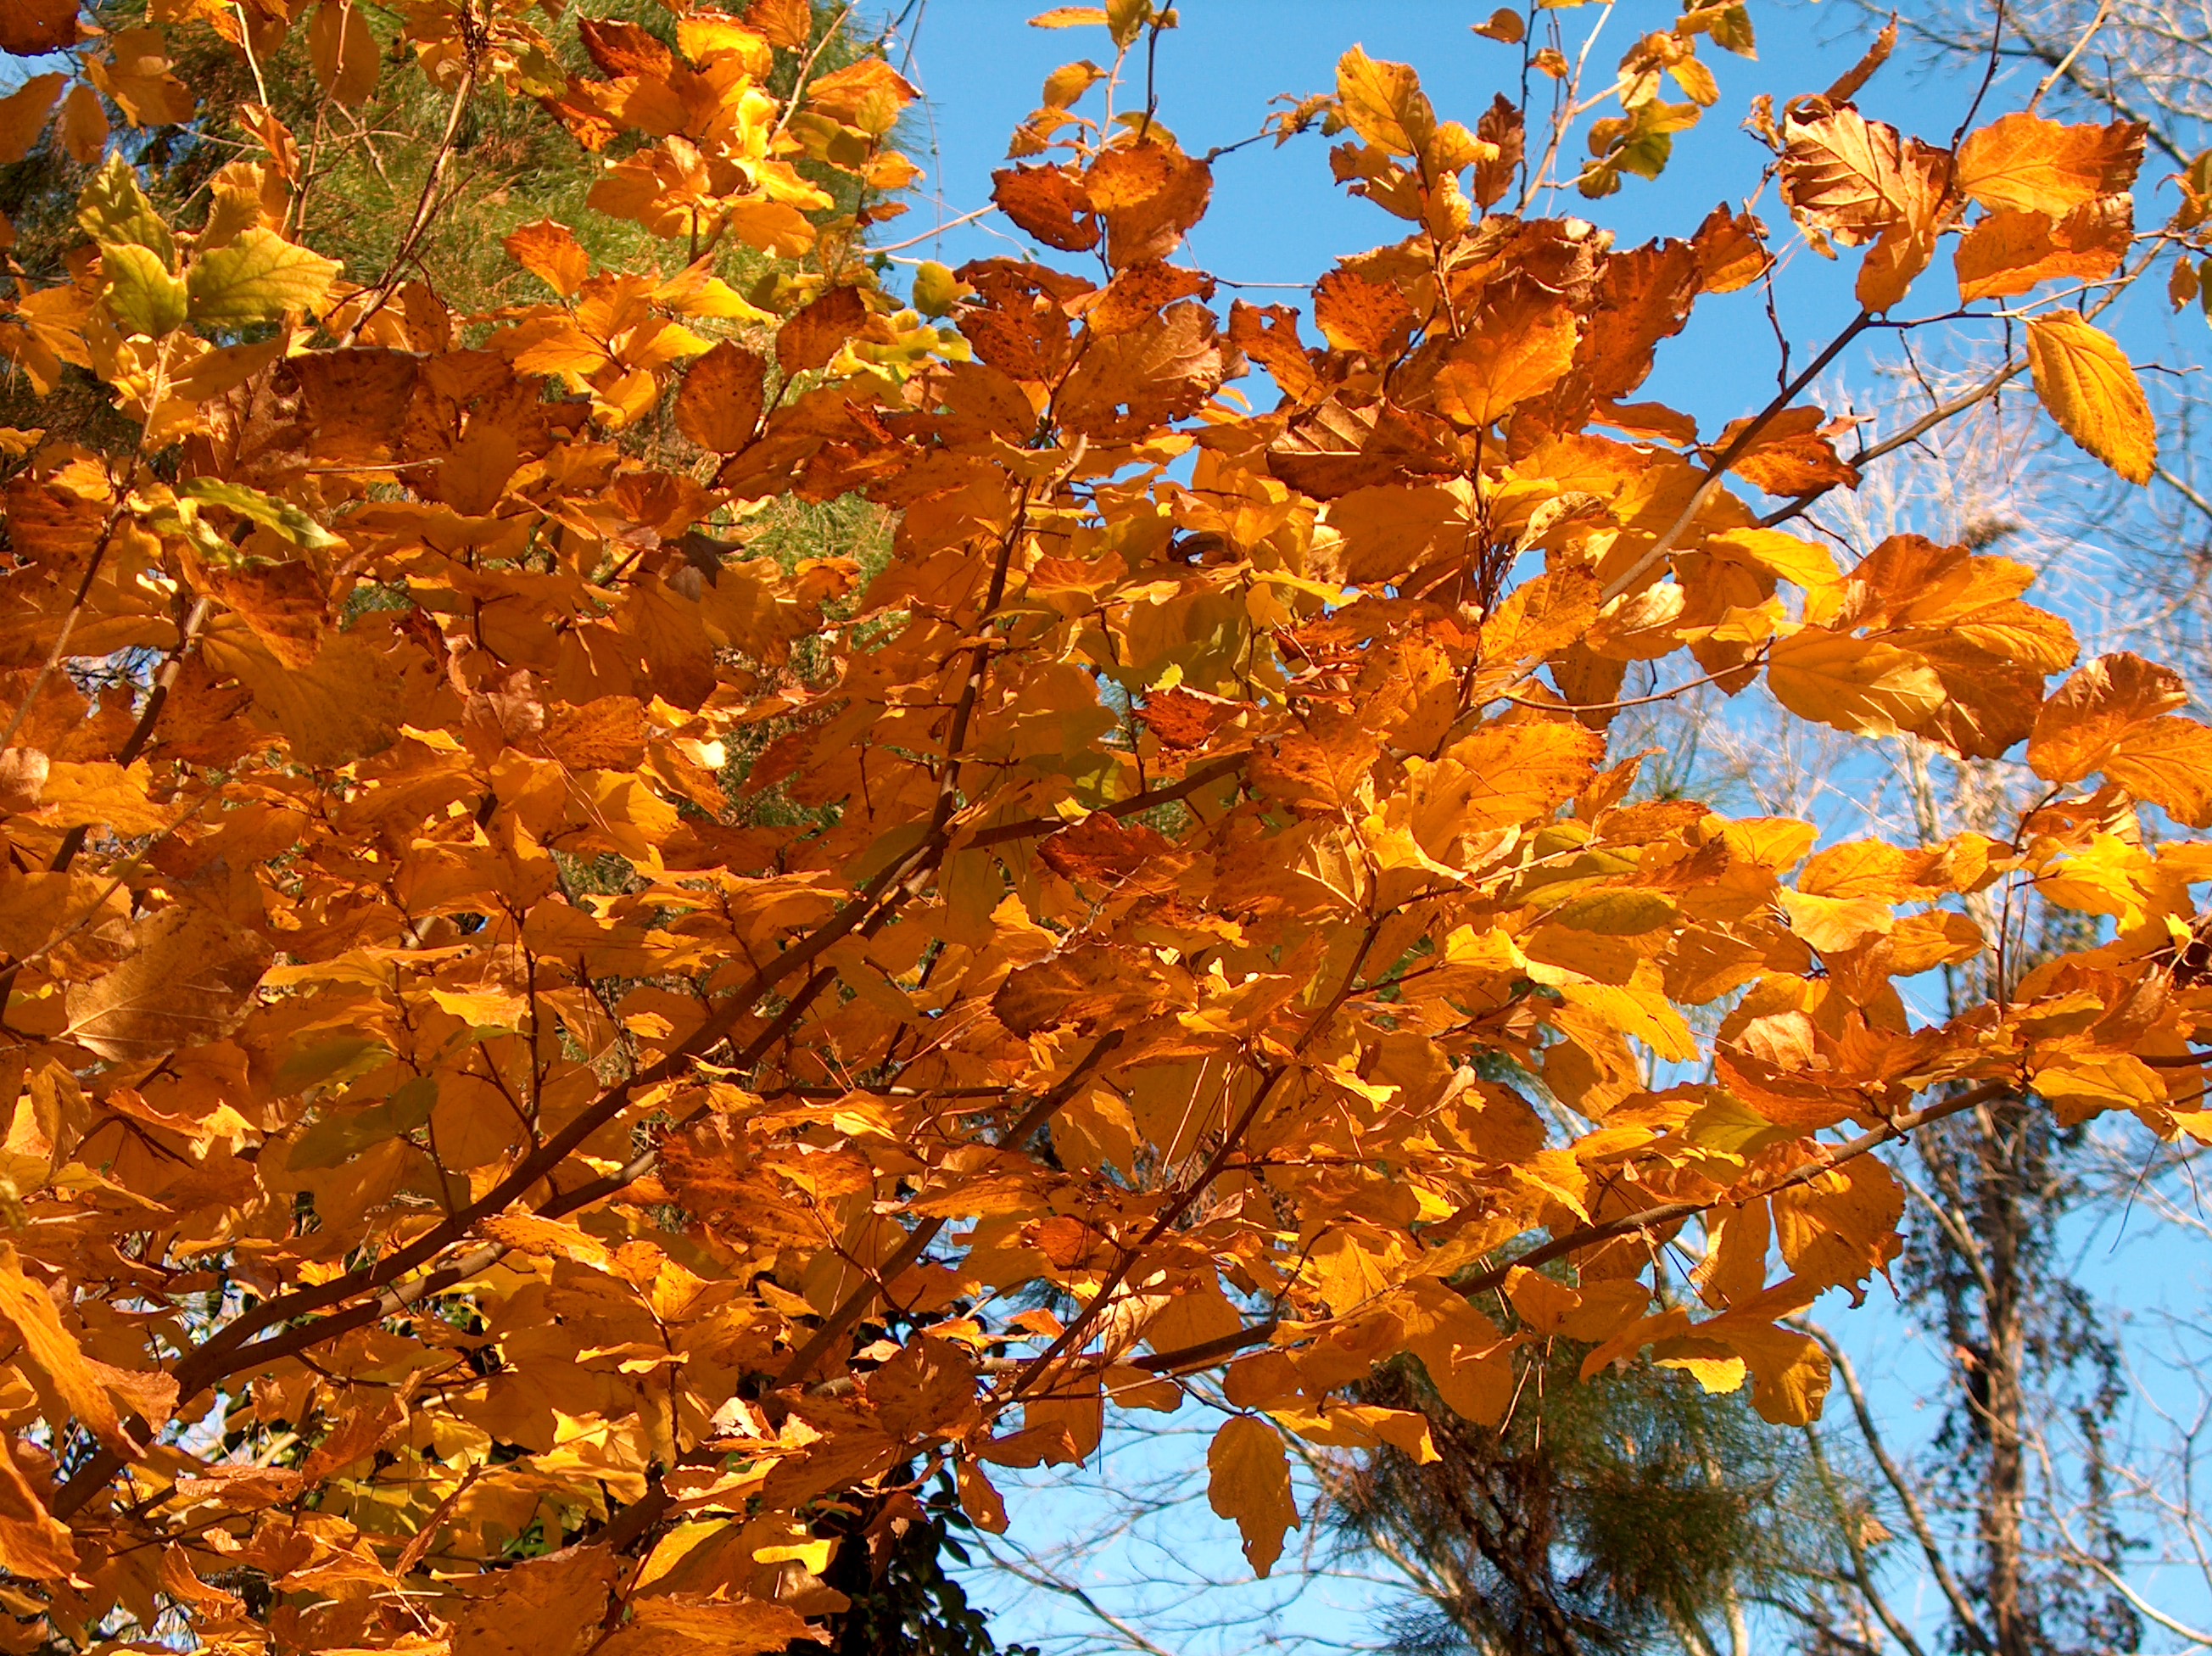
{"points": [[548, 1056]]}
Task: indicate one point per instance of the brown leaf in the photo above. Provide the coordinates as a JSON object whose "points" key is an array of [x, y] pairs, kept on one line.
{"points": [[1338, 449], [1502, 128], [1854, 179], [284, 604], [57, 522], [1138, 293], [2010, 250], [1050, 203], [343, 705], [814, 334], [24, 114], [720, 407], [1101, 850], [548, 1606], [2084, 721], [1848, 84], [188, 977], [1086, 986], [1130, 383], [1789, 455], [1149, 195], [1356, 312], [1515, 353], [84, 122], [31, 28], [694, 1625], [621, 49], [1182, 718]]}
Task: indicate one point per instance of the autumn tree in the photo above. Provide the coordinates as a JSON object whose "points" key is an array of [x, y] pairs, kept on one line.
{"points": [[567, 1071]]}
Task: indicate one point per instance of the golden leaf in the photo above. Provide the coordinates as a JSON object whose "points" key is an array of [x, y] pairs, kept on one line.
{"points": [[1249, 1481], [2038, 165], [1862, 685], [2090, 388]]}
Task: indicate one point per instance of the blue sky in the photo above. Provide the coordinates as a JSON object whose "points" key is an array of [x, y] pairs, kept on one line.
{"points": [[1278, 219]]}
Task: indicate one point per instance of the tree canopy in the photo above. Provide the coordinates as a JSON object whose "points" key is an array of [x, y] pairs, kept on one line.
{"points": [[567, 1061]]}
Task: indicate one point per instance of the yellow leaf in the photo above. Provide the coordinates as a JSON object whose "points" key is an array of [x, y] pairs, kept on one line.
{"points": [[1469, 1362], [343, 51], [1854, 683], [1830, 923], [980, 1500], [31, 1543], [1800, 562], [1250, 1482], [109, 796], [2169, 763], [1717, 1375], [256, 279], [1790, 1374], [551, 252], [1384, 103], [2089, 387], [2079, 1085]]}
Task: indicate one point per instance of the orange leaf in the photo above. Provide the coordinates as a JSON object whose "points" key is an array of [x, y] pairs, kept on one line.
{"points": [[1250, 1482], [2038, 165], [551, 252], [720, 407]]}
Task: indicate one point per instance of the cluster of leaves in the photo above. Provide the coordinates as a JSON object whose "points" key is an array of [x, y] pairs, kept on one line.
{"points": [[486, 1172]]}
